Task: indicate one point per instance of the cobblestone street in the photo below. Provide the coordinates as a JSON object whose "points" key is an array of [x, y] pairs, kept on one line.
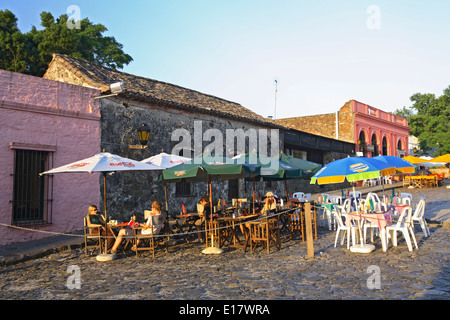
{"points": [[186, 273]]}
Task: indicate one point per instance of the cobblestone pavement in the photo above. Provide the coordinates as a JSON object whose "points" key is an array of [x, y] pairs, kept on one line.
{"points": [[186, 273]]}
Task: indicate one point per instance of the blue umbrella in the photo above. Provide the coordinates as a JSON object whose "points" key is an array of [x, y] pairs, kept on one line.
{"points": [[399, 164], [351, 169]]}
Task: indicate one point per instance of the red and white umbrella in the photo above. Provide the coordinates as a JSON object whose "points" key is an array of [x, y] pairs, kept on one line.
{"points": [[165, 160], [104, 162]]}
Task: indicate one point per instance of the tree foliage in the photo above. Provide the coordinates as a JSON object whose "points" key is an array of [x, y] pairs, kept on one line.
{"points": [[31, 52], [429, 119]]}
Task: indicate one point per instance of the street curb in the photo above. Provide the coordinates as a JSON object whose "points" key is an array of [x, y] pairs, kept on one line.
{"points": [[18, 258]]}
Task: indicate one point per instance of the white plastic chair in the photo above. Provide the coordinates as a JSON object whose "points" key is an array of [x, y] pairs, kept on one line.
{"points": [[403, 225], [357, 194], [346, 206], [406, 195], [405, 200], [387, 180], [419, 217], [336, 199], [325, 197], [349, 230], [298, 195], [378, 205]]}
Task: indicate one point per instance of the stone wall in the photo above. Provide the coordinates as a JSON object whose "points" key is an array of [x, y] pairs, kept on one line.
{"points": [[128, 191], [325, 124]]}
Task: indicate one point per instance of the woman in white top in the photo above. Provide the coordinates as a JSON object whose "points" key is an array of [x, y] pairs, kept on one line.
{"points": [[147, 228]]}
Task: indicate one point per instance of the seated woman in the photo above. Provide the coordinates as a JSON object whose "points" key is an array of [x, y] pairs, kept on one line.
{"points": [[96, 222], [148, 228], [270, 203]]}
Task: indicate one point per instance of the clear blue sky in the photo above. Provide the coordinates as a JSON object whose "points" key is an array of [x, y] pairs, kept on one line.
{"points": [[322, 53]]}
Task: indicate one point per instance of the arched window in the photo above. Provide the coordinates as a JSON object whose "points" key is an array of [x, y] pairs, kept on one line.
{"points": [[362, 143], [375, 145], [384, 147], [399, 148]]}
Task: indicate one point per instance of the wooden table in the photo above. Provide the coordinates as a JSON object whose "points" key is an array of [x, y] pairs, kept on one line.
{"points": [[420, 181], [187, 222], [232, 225]]}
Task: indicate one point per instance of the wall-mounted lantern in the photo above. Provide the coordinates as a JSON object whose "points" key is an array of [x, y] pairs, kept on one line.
{"points": [[144, 134]]}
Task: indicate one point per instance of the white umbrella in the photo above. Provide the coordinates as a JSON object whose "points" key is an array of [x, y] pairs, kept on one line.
{"points": [[103, 162], [165, 160]]}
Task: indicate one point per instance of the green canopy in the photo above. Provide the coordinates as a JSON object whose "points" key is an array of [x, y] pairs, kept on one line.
{"points": [[207, 166], [308, 168], [271, 169]]}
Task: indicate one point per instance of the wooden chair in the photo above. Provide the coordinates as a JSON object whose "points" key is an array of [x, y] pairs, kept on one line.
{"points": [[218, 232], [431, 181], [265, 232], [407, 181], [149, 242], [296, 224], [92, 238]]}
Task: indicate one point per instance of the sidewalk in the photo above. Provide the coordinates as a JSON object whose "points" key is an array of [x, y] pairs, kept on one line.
{"points": [[437, 213]]}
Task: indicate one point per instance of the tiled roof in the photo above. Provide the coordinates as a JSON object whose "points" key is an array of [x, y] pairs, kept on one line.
{"points": [[145, 89]]}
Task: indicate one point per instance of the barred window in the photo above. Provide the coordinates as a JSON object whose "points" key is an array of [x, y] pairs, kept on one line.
{"points": [[233, 189], [31, 192], [183, 188]]}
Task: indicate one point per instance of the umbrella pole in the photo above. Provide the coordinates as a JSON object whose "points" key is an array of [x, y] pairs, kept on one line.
{"points": [[254, 196], [106, 215], [165, 196], [211, 210], [211, 249], [287, 194], [361, 248]]}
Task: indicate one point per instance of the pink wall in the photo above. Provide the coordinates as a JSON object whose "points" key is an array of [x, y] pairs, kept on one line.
{"points": [[383, 124], [41, 114]]}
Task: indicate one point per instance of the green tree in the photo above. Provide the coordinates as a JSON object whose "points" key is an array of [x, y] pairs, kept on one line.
{"points": [[32, 51], [12, 43], [429, 119]]}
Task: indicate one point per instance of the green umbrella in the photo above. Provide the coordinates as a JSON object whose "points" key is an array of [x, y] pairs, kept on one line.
{"points": [[206, 168], [308, 168], [271, 169]]}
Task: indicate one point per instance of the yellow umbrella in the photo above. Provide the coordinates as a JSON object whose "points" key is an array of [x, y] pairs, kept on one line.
{"points": [[445, 158], [414, 160]]}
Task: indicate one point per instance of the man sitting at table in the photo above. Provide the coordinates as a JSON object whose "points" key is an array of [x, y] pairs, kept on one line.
{"points": [[148, 228], [204, 211], [270, 204]]}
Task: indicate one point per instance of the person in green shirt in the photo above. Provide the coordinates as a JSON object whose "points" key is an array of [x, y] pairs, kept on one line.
{"points": [[96, 222]]}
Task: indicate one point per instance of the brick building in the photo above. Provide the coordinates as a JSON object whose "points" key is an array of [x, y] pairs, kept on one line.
{"points": [[375, 132]]}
